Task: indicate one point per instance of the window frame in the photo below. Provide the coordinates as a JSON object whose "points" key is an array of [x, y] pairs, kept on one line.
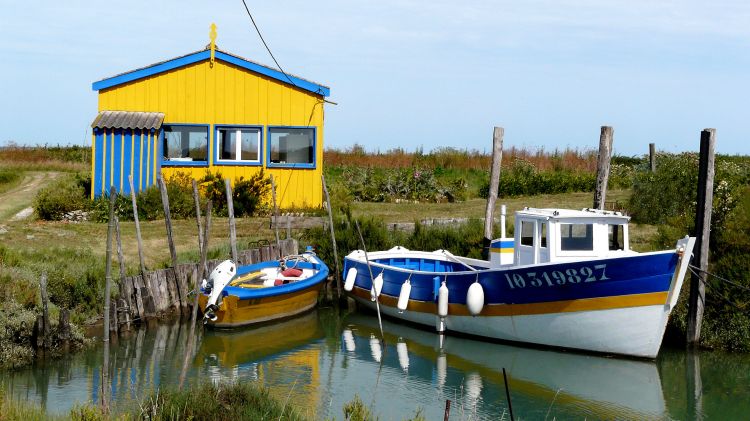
{"points": [[578, 252], [169, 163], [237, 162], [312, 165]]}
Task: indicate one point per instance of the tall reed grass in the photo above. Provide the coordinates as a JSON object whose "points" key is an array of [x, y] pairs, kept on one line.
{"points": [[452, 158]]}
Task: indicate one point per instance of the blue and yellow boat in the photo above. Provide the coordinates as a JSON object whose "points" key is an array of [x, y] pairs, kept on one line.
{"points": [[262, 292], [567, 279]]}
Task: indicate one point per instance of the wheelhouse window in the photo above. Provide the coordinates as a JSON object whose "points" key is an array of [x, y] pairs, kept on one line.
{"points": [[576, 237], [185, 144], [238, 144], [542, 234], [616, 237], [291, 146], [527, 233]]}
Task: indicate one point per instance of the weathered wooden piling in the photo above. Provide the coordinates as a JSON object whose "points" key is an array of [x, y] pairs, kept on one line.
{"points": [[602, 166], [337, 276], [107, 289], [652, 156], [43, 329], [125, 286], [167, 220], [705, 200], [141, 260], [232, 226], [196, 199], [489, 220], [275, 208]]}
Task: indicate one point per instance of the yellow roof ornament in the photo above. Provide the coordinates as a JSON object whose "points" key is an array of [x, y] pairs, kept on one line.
{"points": [[212, 35]]}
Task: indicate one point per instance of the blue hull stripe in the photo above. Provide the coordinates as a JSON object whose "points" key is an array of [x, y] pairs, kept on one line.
{"points": [[620, 276]]}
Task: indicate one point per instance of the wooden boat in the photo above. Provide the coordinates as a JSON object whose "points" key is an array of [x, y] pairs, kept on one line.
{"points": [[567, 279], [276, 289]]}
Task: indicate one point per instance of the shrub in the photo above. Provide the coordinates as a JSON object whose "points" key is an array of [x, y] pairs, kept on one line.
{"points": [[60, 197], [521, 178], [248, 195], [409, 183]]}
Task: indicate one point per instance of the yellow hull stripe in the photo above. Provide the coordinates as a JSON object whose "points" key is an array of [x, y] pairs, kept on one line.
{"points": [[567, 306]]}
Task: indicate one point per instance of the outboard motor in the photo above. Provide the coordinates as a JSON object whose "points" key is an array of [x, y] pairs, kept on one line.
{"points": [[219, 278]]}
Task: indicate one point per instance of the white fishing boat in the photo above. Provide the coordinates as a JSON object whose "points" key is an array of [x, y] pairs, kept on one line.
{"points": [[567, 279]]}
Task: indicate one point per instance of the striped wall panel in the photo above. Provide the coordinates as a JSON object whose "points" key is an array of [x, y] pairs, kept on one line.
{"points": [[120, 154]]}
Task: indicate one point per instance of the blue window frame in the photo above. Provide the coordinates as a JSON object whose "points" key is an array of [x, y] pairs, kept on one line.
{"points": [[185, 145], [291, 147], [238, 145]]}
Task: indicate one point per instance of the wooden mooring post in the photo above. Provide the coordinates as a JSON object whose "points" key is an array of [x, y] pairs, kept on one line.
{"points": [[602, 166], [705, 200], [107, 288], [141, 260], [197, 200], [275, 211], [652, 156], [489, 220], [43, 324], [337, 276], [232, 226], [167, 220]]}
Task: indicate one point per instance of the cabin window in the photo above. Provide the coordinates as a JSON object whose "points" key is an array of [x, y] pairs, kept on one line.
{"points": [[576, 237], [291, 147], [616, 237], [184, 144], [238, 144], [527, 233], [543, 234]]}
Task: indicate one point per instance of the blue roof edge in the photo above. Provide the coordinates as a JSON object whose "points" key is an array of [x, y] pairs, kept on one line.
{"points": [[205, 55]]}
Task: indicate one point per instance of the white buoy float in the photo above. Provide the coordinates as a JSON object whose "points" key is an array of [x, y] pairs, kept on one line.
{"points": [[349, 340], [351, 276], [377, 285], [403, 355], [375, 349], [442, 370], [473, 387], [443, 300], [403, 296], [475, 299]]}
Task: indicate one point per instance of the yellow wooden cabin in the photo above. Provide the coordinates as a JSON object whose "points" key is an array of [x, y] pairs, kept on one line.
{"points": [[210, 110]]}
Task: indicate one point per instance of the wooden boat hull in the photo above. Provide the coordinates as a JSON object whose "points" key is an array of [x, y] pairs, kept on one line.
{"points": [[614, 306], [243, 306]]}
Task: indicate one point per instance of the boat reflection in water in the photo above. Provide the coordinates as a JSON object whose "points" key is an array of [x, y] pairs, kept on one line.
{"points": [[319, 361], [470, 373]]}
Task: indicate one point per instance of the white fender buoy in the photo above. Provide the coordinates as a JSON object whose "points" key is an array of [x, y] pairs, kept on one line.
{"points": [[475, 299], [403, 355], [349, 340], [375, 349], [377, 285], [403, 297], [442, 370], [474, 386], [443, 300], [351, 276]]}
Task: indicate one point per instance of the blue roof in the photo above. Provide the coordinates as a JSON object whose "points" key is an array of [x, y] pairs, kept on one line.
{"points": [[202, 55]]}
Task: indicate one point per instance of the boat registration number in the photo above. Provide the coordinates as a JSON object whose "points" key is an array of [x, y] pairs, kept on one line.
{"points": [[558, 277]]}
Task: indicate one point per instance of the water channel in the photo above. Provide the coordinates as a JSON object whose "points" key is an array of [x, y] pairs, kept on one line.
{"points": [[319, 361]]}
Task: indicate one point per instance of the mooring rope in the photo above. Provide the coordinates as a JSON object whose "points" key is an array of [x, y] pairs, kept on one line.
{"points": [[738, 285], [725, 299]]}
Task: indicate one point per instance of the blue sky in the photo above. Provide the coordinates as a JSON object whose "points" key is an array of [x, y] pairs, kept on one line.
{"points": [[413, 73]]}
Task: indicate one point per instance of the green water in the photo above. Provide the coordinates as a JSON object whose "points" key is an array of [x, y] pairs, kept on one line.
{"points": [[320, 361]]}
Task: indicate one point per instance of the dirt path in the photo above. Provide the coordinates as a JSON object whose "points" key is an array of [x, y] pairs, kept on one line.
{"points": [[16, 202]]}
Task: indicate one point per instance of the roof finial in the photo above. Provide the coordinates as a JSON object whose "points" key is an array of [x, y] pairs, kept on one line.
{"points": [[212, 35]]}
